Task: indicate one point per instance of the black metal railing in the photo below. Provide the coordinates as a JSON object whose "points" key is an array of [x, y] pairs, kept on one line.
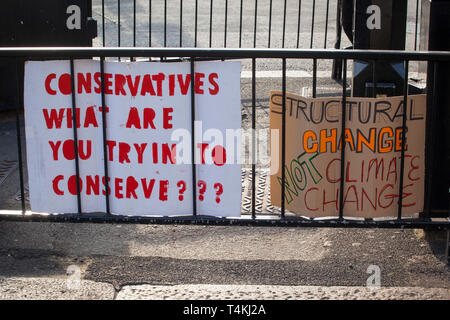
{"points": [[425, 221]]}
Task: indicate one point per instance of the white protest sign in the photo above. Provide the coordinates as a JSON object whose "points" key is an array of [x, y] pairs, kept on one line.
{"points": [[148, 137]]}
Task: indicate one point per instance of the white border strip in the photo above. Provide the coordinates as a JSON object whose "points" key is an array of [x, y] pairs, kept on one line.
{"points": [[289, 74]]}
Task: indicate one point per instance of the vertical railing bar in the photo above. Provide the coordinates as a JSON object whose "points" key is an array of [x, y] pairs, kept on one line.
{"points": [[150, 24], [402, 157], [284, 23], [312, 23], [314, 93], [165, 23], [283, 140], [298, 22], [134, 27], [193, 158], [447, 245], [431, 115], [270, 22], [105, 151], [181, 23], [134, 23], [374, 79], [342, 140], [118, 22], [210, 22], [417, 23], [253, 138], [374, 90], [256, 16], [240, 25], [326, 24], [19, 106], [226, 24], [103, 23], [195, 23], [75, 134]]}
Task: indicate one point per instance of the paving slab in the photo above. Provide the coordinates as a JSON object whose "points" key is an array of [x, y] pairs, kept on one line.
{"points": [[255, 292], [20, 288]]}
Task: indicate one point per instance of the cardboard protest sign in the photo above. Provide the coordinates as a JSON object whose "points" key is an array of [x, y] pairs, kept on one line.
{"points": [[148, 137], [373, 138]]}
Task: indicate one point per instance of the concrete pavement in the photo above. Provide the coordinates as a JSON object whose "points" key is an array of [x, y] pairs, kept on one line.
{"points": [[53, 289], [57, 289], [236, 292]]}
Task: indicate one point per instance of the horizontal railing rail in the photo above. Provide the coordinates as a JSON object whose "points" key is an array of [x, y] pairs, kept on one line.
{"points": [[225, 53], [438, 224]]}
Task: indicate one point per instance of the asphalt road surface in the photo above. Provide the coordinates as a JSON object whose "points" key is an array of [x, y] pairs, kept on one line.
{"points": [[323, 35], [324, 29]]}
